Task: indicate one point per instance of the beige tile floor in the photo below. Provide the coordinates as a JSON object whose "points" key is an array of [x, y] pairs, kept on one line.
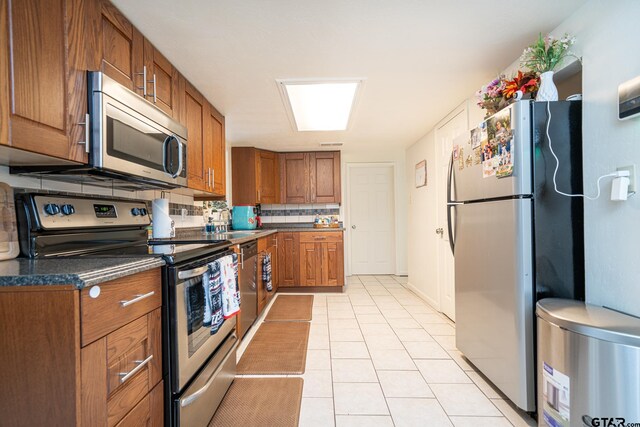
{"points": [[380, 356]]}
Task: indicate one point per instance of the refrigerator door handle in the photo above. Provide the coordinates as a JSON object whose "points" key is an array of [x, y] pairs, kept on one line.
{"points": [[449, 179], [452, 242], [450, 205]]}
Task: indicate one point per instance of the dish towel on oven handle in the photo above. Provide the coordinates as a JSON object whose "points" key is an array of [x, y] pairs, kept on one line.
{"points": [[215, 295], [230, 288], [206, 285], [266, 272]]}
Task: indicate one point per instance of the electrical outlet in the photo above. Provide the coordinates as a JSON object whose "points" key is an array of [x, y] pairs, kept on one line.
{"points": [[632, 176]]}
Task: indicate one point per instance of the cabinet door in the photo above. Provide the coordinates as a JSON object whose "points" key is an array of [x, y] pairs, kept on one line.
{"points": [[218, 150], [288, 259], [333, 264], [162, 80], [44, 96], [310, 264], [295, 180], [325, 177], [267, 175], [197, 154], [273, 251], [117, 47]]}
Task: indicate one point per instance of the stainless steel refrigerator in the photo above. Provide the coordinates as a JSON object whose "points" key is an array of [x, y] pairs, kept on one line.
{"points": [[515, 240]]}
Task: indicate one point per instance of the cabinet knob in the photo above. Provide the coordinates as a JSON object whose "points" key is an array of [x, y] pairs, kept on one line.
{"points": [[353, 226], [439, 231]]}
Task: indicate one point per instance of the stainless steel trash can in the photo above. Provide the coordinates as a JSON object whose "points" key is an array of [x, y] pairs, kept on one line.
{"points": [[588, 365]]}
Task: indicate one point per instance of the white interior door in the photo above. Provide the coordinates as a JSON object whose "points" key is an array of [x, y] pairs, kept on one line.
{"points": [[445, 135], [371, 219]]}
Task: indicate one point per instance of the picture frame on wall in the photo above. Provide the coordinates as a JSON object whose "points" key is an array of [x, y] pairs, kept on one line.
{"points": [[421, 174]]}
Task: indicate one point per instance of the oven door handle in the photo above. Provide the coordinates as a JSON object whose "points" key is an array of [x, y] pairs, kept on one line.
{"points": [[188, 274], [188, 400]]}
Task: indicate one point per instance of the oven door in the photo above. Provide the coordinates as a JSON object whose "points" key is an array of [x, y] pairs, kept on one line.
{"points": [[199, 402], [191, 342], [132, 137]]}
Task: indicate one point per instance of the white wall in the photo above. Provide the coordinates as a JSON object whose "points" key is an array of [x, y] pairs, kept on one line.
{"points": [[422, 221], [397, 158], [607, 39], [608, 36]]}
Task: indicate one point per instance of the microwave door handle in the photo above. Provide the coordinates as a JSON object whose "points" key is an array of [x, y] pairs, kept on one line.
{"points": [[188, 274], [180, 154], [164, 155]]}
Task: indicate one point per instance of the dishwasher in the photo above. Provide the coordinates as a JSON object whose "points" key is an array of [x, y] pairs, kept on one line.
{"points": [[248, 285]]}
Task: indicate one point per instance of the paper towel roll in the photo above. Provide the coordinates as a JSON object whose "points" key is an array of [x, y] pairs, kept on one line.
{"points": [[163, 225]]}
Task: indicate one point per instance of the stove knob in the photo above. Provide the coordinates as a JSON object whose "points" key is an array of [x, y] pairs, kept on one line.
{"points": [[51, 209], [135, 211], [68, 210], [143, 212]]}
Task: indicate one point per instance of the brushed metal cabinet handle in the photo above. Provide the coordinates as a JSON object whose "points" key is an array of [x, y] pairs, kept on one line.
{"points": [[140, 364], [155, 92], [144, 81], [86, 132], [136, 299]]}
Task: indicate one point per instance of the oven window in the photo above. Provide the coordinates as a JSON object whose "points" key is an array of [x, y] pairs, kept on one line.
{"points": [[134, 145], [194, 298]]}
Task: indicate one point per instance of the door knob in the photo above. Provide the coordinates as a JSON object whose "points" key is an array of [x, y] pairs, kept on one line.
{"points": [[353, 226], [440, 231]]}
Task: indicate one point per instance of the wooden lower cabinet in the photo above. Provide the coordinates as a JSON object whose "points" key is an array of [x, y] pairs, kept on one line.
{"points": [[288, 259], [311, 258], [53, 376], [310, 264], [321, 258]]}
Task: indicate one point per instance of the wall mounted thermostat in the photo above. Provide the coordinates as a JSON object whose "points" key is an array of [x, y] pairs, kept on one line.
{"points": [[629, 99]]}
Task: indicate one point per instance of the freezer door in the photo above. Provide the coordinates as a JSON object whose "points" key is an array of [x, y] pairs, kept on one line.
{"points": [[469, 180], [494, 294]]}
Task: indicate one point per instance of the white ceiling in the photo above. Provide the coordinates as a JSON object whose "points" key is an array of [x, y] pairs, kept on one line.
{"points": [[420, 58]]}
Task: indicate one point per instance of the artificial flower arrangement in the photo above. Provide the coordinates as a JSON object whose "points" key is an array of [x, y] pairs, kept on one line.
{"points": [[542, 56], [501, 91], [546, 53]]}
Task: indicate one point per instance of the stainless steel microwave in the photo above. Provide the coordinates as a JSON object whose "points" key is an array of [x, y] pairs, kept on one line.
{"points": [[133, 138]]}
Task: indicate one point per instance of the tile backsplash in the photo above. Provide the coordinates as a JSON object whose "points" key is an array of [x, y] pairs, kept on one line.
{"points": [[179, 199], [297, 213]]}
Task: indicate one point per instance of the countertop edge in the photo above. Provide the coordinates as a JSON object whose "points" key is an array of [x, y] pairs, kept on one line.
{"points": [[81, 280]]}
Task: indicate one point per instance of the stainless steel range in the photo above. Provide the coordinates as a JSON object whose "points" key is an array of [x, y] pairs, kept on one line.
{"points": [[198, 366]]}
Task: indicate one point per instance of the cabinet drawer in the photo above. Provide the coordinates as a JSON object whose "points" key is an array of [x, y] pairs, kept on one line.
{"points": [[320, 236], [118, 303]]}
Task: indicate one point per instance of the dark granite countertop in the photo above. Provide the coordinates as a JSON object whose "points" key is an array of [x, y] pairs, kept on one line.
{"points": [[78, 272]]}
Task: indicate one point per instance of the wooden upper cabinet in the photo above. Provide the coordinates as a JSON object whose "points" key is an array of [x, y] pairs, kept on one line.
{"points": [[162, 80], [324, 171], [255, 176], [310, 177], [117, 47], [295, 177], [42, 63], [197, 155], [267, 175], [215, 136]]}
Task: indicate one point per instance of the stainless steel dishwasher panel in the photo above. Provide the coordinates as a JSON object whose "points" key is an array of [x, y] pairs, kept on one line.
{"points": [[248, 266]]}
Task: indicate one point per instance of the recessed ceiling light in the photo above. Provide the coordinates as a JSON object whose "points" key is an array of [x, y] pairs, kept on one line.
{"points": [[320, 105]]}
